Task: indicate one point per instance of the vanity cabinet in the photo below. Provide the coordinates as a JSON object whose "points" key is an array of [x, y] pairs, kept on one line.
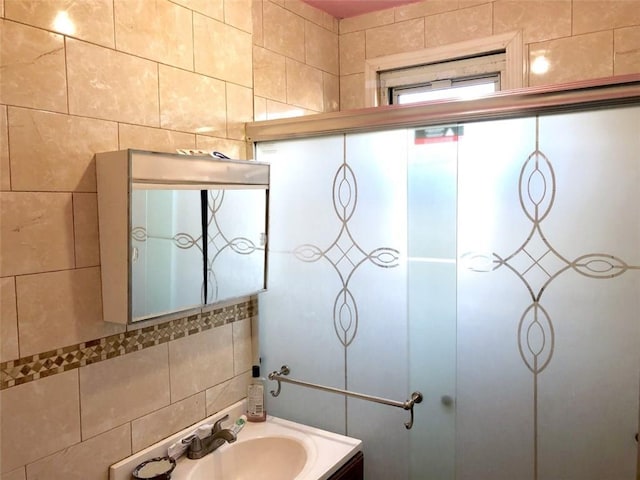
{"points": [[352, 470]]}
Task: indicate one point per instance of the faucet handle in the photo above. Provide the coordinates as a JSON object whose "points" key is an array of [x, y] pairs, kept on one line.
{"points": [[194, 443], [218, 425]]}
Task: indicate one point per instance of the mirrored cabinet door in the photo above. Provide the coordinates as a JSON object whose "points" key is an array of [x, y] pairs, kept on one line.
{"points": [[179, 232]]}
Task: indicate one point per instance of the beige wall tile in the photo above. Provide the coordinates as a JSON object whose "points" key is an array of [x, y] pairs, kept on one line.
{"points": [[424, 8], [627, 51], [160, 424], [192, 103], [116, 391], [352, 92], [304, 86], [575, 58], [155, 29], [210, 8], [39, 418], [231, 148], [155, 139], [198, 362], [8, 320], [17, 474], [239, 110], [283, 31], [90, 20], [36, 232], [352, 53], [331, 92], [321, 48], [269, 74], [231, 63], [256, 15], [538, 19], [259, 108], [595, 15], [312, 14], [471, 3], [59, 309], [33, 67], [242, 349], [460, 25], [107, 84], [236, 13], [399, 37], [85, 229], [227, 393], [366, 21], [86, 460], [277, 110], [5, 171], [53, 152], [335, 27]]}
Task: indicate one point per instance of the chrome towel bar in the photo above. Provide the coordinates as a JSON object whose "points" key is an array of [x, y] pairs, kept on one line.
{"points": [[281, 376]]}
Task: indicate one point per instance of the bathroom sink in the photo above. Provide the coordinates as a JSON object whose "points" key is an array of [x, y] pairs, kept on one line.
{"points": [[263, 458], [277, 449]]}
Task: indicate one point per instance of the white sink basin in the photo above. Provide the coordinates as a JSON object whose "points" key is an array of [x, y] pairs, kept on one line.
{"points": [[262, 458], [273, 450]]}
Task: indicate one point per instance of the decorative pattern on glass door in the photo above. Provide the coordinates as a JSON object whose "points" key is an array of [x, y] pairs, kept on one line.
{"points": [[537, 264], [345, 254]]}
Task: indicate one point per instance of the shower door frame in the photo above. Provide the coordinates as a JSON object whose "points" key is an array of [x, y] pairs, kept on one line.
{"points": [[576, 96], [588, 94]]}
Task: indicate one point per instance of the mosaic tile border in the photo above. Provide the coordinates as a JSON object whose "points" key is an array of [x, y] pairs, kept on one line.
{"points": [[32, 367]]}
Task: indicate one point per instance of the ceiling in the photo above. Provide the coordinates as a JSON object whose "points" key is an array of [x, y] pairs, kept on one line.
{"points": [[351, 8]]}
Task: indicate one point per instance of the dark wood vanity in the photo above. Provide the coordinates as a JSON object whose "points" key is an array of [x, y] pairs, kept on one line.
{"points": [[352, 470]]}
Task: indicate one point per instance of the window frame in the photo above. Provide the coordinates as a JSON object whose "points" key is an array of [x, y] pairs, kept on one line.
{"points": [[510, 43]]}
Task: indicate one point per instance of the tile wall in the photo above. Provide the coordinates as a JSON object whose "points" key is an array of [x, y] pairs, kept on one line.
{"points": [[581, 39], [160, 75], [295, 60], [78, 394]]}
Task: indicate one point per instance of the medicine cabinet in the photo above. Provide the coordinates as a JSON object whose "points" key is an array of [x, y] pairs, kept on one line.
{"points": [[178, 232]]}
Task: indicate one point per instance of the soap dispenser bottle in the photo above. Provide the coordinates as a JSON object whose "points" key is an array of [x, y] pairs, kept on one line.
{"points": [[255, 397]]}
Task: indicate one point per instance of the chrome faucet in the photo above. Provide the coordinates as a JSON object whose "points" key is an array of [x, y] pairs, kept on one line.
{"points": [[198, 447]]}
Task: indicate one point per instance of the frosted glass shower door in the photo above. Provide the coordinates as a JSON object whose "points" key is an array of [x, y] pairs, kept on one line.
{"points": [[431, 268], [335, 309], [497, 272], [548, 297]]}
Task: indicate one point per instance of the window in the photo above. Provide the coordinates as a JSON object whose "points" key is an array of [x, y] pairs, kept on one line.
{"points": [[472, 67], [463, 78], [454, 88]]}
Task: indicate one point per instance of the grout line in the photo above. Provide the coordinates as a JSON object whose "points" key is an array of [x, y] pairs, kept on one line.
{"points": [[15, 296], [169, 379], [193, 41], [113, 6], [80, 405], [73, 230], [66, 71], [159, 96], [6, 118]]}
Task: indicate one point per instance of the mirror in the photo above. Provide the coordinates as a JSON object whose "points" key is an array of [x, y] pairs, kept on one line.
{"points": [[196, 232]]}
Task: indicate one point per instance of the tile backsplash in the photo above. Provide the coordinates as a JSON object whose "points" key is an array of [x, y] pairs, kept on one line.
{"points": [[100, 75]]}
